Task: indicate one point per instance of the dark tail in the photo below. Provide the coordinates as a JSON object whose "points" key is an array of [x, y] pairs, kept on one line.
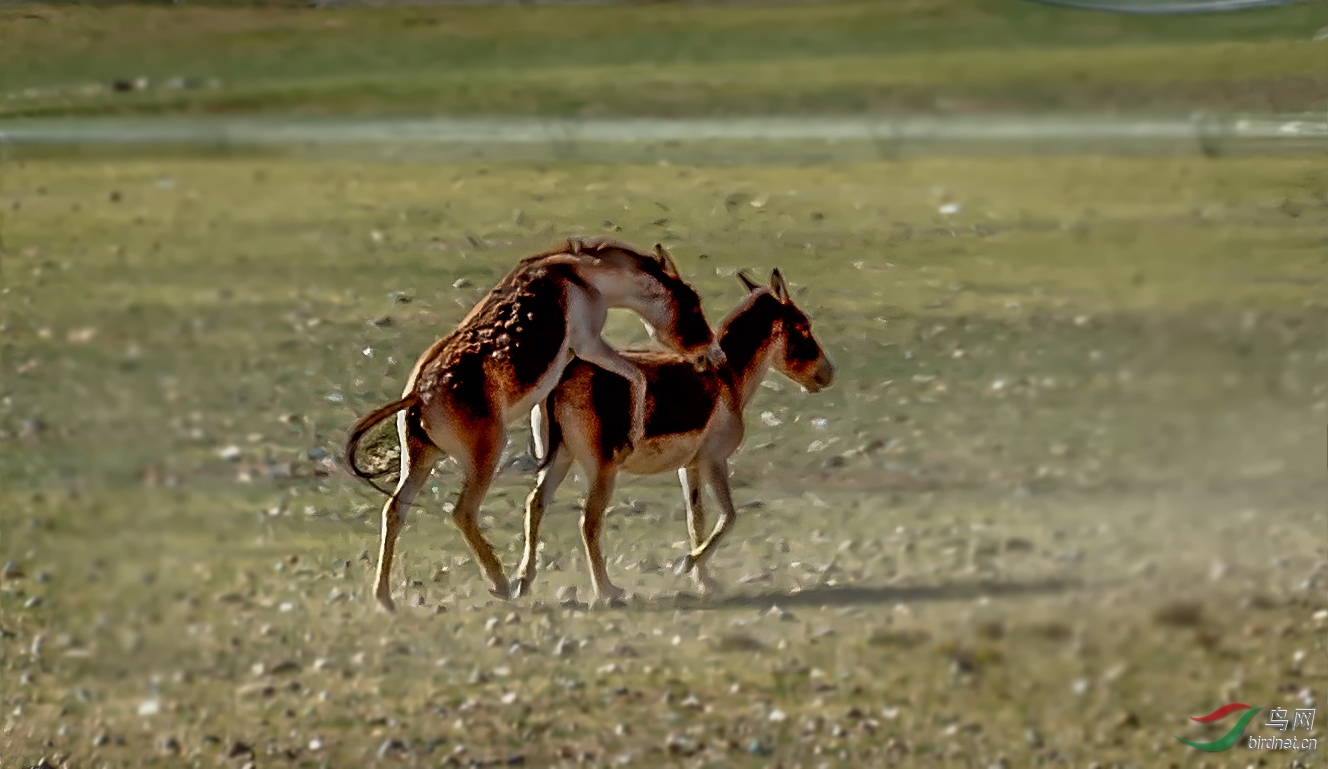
{"points": [[553, 435], [364, 425]]}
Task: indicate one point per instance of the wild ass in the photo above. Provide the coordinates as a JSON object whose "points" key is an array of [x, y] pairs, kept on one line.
{"points": [[507, 355], [693, 424]]}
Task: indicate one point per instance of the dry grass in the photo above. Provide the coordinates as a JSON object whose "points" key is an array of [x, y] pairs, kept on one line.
{"points": [[1089, 397]]}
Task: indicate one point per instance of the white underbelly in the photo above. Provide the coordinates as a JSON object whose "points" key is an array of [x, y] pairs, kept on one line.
{"points": [[659, 455]]}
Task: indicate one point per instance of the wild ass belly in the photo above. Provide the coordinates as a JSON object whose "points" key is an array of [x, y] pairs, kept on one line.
{"points": [[664, 453], [720, 436]]}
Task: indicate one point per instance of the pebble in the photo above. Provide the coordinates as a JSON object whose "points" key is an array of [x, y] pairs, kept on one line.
{"points": [[758, 748], [390, 746], [737, 642], [681, 745], [149, 707], [230, 454]]}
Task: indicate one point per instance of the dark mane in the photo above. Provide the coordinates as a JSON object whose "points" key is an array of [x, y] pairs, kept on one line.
{"points": [[746, 329]]}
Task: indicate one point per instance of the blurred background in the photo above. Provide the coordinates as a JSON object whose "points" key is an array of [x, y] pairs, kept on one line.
{"points": [[1067, 492]]}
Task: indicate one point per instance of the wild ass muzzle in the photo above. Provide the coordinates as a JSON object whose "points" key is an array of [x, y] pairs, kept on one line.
{"points": [[693, 424], [506, 356]]}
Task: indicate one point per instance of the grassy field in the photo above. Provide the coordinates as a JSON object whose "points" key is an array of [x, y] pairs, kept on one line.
{"points": [[1067, 491], [955, 56]]}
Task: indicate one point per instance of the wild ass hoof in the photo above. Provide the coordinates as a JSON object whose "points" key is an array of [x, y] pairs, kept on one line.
{"points": [[684, 565], [614, 597], [520, 586], [386, 604]]}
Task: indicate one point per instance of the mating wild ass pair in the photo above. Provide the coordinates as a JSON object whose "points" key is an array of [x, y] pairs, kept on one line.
{"points": [[507, 355], [693, 424]]}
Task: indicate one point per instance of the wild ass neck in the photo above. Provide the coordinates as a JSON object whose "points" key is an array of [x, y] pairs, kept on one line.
{"points": [[749, 340], [622, 286]]}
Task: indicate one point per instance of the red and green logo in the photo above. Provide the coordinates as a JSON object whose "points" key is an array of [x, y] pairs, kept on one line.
{"points": [[1231, 737]]}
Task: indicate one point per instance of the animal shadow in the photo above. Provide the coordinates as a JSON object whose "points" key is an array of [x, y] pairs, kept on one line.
{"points": [[862, 595]]}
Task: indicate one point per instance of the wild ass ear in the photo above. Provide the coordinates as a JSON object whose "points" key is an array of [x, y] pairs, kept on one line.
{"points": [[778, 285], [666, 261], [747, 281]]}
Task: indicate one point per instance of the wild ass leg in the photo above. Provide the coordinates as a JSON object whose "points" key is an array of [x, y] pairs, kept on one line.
{"points": [[597, 351], [690, 477], [592, 520], [480, 466], [417, 460], [717, 475], [546, 485]]}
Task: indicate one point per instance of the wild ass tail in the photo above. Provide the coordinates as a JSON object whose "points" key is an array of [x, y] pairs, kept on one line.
{"points": [[545, 434], [364, 425]]}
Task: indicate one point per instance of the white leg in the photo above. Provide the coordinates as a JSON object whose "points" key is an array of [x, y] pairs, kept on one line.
{"points": [[690, 477], [717, 476], [417, 460]]}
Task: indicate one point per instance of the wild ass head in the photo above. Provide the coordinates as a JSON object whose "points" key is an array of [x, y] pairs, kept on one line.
{"points": [[790, 345], [651, 285]]}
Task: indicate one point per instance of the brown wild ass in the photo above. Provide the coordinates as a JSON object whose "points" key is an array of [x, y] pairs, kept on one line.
{"points": [[506, 356], [693, 424]]}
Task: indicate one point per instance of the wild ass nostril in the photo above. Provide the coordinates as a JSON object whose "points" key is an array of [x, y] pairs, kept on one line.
{"points": [[825, 373]]}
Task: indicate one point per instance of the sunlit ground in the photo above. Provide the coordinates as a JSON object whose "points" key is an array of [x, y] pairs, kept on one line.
{"points": [[1067, 491]]}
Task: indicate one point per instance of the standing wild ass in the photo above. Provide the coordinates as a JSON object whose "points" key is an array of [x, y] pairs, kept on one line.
{"points": [[693, 424], [507, 355]]}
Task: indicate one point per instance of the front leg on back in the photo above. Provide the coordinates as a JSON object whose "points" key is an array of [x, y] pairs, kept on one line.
{"points": [[596, 350]]}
